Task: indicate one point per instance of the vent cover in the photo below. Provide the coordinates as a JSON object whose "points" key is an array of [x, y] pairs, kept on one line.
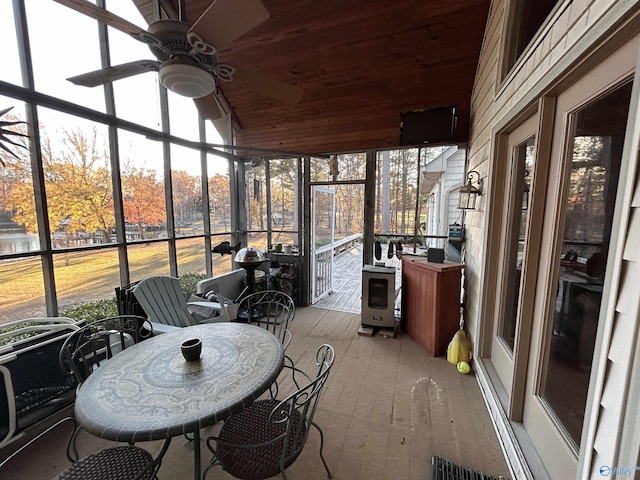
{"points": [[445, 470]]}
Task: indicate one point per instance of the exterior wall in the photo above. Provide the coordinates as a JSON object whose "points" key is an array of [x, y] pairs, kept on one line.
{"points": [[614, 436], [434, 218], [452, 164], [577, 30], [453, 179]]}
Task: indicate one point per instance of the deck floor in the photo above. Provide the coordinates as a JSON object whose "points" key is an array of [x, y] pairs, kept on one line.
{"points": [[387, 408], [346, 295]]}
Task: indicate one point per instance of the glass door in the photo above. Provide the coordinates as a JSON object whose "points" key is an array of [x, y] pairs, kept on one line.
{"points": [[582, 185], [513, 319]]}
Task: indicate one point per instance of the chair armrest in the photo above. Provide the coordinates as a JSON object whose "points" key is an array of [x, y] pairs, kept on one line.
{"points": [[11, 419], [286, 339], [204, 311], [159, 328], [205, 304]]}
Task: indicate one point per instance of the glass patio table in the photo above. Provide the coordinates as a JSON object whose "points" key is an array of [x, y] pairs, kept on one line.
{"points": [[150, 392]]}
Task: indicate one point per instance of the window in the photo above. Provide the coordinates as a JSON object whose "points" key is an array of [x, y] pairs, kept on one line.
{"points": [[523, 157], [527, 16], [10, 71], [273, 201], [105, 179]]}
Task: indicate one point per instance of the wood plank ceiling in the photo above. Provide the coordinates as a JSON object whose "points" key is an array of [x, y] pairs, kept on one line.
{"points": [[360, 64]]}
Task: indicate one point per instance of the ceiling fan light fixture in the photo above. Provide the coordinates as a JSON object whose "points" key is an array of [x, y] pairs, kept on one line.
{"points": [[187, 80]]}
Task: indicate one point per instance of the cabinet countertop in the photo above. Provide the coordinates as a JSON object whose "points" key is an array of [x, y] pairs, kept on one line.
{"points": [[422, 261]]}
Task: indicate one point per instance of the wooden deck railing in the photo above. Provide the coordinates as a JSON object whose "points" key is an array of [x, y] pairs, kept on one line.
{"points": [[322, 263]]}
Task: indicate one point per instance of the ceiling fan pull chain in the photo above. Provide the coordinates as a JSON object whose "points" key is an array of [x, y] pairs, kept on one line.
{"points": [[199, 45], [224, 72]]}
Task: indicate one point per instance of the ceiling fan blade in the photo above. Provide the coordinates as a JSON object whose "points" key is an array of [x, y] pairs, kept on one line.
{"points": [[104, 16], [117, 72], [226, 20], [267, 86], [208, 107]]}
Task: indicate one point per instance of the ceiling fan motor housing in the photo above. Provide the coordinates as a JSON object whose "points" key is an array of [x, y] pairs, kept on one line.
{"points": [[172, 41]]}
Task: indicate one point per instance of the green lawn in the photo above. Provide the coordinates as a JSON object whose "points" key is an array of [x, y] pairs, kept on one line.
{"points": [[88, 276]]}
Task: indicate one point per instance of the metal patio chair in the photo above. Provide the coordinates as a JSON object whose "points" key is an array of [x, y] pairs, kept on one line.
{"points": [[33, 386], [271, 310], [82, 352], [164, 302], [267, 437], [125, 462], [85, 349]]}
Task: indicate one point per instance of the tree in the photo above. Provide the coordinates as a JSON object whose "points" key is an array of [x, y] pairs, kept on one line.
{"points": [[186, 191], [143, 201], [16, 186], [350, 198], [79, 185], [219, 200], [77, 182], [283, 175]]}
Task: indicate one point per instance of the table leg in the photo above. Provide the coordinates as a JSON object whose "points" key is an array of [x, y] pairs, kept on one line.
{"points": [[196, 454]]}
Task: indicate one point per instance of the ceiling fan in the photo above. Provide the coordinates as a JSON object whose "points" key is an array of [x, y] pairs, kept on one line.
{"points": [[187, 55]]}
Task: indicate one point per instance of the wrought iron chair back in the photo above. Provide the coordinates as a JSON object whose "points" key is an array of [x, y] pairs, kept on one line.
{"points": [[86, 348], [271, 310], [268, 436]]}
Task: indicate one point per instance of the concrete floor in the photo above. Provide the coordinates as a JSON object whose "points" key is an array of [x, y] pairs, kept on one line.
{"points": [[387, 408]]}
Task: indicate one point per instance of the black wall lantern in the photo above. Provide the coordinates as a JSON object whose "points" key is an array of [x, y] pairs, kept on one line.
{"points": [[470, 192]]}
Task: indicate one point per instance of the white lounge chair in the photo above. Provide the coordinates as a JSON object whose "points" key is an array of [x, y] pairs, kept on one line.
{"points": [[164, 303]]}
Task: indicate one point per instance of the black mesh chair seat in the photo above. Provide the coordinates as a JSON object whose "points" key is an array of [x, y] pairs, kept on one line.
{"points": [[122, 462], [118, 463], [250, 427]]}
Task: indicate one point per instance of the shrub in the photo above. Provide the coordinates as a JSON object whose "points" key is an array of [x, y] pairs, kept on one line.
{"points": [[91, 311], [188, 282], [108, 307]]}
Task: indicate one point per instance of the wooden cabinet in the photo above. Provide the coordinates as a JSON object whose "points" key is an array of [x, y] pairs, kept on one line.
{"points": [[430, 302]]}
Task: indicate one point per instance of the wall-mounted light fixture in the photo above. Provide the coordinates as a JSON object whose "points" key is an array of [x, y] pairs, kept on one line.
{"points": [[470, 192]]}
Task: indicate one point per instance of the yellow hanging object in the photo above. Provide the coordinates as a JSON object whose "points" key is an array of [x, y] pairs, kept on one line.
{"points": [[458, 350]]}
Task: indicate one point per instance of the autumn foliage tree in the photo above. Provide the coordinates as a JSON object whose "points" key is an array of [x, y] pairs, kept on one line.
{"points": [[16, 187], [77, 183], [219, 198], [78, 186], [143, 201], [187, 192]]}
